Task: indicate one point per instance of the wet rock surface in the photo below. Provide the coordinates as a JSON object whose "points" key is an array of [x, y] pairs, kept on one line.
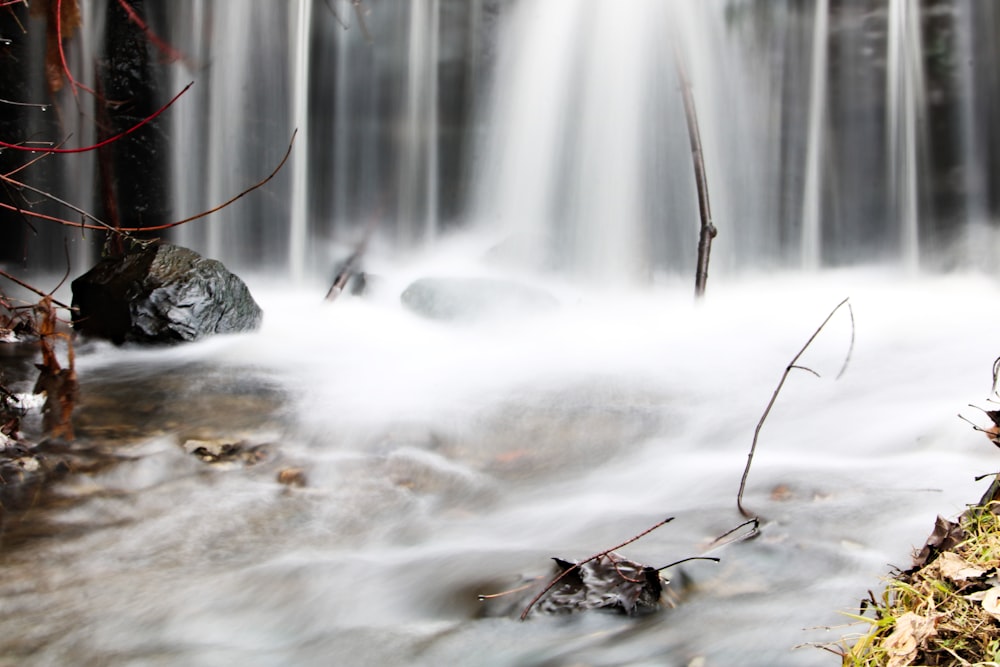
{"points": [[161, 293], [470, 299]]}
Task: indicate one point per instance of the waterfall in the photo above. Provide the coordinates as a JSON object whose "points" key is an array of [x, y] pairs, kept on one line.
{"points": [[833, 133], [588, 163], [811, 212], [906, 98], [297, 244]]}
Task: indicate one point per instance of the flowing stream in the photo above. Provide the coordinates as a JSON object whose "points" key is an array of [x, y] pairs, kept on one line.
{"points": [[446, 459]]}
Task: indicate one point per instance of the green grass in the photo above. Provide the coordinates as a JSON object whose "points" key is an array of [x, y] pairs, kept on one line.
{"points": [[935, 614]]}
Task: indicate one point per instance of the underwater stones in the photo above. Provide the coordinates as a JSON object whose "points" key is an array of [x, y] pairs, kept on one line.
{"points": [[470, 299], [161, 293]]}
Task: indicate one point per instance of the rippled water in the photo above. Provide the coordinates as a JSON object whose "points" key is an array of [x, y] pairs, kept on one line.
{"points": [[445, 460]]}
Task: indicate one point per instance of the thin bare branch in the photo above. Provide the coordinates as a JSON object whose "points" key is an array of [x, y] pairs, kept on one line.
{"points": [[43, 107], [774, 397], [109, 140], [32, 288], [172, 54], [127, 230], [63, 202], [226, 203], [850, 349], [718, 542], [685, 560]]}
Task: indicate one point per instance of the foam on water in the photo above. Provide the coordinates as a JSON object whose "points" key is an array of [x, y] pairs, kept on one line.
{"points": [[447, 459]]}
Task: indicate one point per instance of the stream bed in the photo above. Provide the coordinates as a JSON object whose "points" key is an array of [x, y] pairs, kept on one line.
{"points": [[442, 460]]}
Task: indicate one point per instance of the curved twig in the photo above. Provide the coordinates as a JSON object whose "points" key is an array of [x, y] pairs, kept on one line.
{"points": [[685, 560], [127, 230], [105, 142], [774, 397]]}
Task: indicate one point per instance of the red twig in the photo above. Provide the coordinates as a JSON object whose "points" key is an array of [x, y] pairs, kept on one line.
{"points": [[558, 577], [100, 144], [32, 289], [170, 52], [62, 55], [156, 228]]}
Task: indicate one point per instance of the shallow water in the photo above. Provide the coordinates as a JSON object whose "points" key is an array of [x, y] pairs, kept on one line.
{"points": [[445, 460]]}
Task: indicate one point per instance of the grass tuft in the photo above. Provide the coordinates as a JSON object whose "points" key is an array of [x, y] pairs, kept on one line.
{"points": [[945, 610]]}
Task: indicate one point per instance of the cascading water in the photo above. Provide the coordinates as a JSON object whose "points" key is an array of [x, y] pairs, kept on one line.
{"points": [[447, 459], [597, 179], [811, 214], [906, 97]]}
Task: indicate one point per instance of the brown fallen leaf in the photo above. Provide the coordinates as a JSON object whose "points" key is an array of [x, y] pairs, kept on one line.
{"points": [[61, 21], [954, 568], [991, 602], [910, 634], [945, 536], [292, 477]]}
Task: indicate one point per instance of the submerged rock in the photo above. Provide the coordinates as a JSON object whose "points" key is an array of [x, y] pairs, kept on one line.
{"points": [[161, 293], [468, 299]]}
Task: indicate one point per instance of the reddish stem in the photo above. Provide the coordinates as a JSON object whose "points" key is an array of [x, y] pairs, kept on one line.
{"points": [[62, 54], [100, 144], [169, 51]]}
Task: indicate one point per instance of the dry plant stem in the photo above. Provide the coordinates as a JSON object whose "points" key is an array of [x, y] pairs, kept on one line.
{"points": [[32, 289], [555, 580], [126, 230], [687, 560], [349, 267], [718, 542], [100, 144], [493, 596], [172, 54], [43, 107], [74, 84], [48, 195], [707, 231], [784, 376]]}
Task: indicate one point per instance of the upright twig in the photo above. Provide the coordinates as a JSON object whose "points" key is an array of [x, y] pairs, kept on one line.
{"points": [[793, 364], [555, 580], [707, 230]]}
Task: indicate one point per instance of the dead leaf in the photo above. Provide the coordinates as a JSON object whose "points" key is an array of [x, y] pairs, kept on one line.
{"points": [[946, 535], [69, 19], [991, 602], [610, 582], [909, 636], [954, 568], [292, 477]]}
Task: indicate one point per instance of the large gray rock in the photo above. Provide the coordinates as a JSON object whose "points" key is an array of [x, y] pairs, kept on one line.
{"points": [[161, 293]]}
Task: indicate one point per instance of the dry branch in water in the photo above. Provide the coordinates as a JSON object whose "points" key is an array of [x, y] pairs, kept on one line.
{"points": [[349, 267], [793, 364]]}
